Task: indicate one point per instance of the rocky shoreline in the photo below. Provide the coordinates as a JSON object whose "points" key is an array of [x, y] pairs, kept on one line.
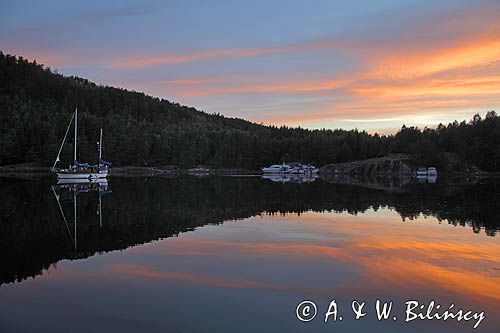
{"points": [[383, 166]]}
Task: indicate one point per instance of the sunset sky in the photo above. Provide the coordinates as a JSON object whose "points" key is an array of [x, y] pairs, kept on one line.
{"points": [[372, 65]]}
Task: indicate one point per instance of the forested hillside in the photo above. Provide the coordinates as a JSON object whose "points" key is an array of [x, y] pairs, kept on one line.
{"points": [[36, 105]]}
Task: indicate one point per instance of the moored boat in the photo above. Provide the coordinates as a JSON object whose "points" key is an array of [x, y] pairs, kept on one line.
{"points": [[431, 171], [428, 175], [292, 168], [421, 172], [310, 169], [278, 169], [79, 171]]}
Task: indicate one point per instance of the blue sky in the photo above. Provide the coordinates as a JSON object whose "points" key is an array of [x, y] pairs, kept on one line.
{"points": [[370, 65]]}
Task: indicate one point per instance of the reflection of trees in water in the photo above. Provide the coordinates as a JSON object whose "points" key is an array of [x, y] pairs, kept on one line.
{"points": [[476, 205], [33, 235]]}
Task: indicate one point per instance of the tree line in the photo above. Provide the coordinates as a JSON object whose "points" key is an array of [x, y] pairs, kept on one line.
{"points": [[36, 104]]}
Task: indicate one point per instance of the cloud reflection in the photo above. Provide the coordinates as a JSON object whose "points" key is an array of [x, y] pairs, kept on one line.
{"points": [[388, 256]]}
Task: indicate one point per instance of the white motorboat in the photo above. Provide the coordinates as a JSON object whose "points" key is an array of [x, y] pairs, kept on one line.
{"points": [[293, 168], [427, 174], [421, 173], [278, 169], [431, 171], [302, 169], [310, 169]]}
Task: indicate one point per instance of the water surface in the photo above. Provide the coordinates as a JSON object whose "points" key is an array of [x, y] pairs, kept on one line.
{"points": [[237, 254]]}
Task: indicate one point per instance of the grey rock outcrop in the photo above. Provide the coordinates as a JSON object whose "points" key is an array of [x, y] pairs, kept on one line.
{"points": [[387, 166]]}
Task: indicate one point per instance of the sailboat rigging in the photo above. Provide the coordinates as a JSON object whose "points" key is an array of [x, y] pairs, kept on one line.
{"points": [[80, 170]]}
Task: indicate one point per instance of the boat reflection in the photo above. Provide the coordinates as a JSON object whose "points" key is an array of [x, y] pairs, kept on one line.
{"points": [[431, 179], [76, 187], [291, 178], [85, 183]]}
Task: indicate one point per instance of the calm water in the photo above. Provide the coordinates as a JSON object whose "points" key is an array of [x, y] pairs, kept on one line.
{"points": [[238, 254]]}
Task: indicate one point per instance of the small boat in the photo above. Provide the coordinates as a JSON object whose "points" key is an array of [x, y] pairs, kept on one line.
{"points": [[302, 169], [421, 173], [79, 171], [310, 169], [292, 168], [428, 175], [431, 171], [277, 169], [199, 171]]}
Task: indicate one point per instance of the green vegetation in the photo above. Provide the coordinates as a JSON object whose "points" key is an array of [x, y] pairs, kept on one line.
{"points": [[36, 104]]}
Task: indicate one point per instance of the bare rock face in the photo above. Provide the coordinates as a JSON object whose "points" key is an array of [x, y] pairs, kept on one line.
{"points": [[386, 166]]}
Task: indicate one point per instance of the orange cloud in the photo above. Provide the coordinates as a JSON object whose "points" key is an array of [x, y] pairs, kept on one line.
{"points": [[462, 74], [412, 83], [382, 110], [231, 88], [235, 53], [469, 53]]}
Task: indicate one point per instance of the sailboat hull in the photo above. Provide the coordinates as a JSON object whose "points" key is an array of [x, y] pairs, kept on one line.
{"points": [[64, 175], [84, 176], [99, 175]]}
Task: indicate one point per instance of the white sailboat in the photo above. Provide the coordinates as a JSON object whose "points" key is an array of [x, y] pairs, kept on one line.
{"points": [[80, 171]]}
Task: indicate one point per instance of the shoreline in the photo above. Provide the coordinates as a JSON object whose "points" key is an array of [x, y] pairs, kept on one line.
{"points": [[132, 171], [172, 171]]}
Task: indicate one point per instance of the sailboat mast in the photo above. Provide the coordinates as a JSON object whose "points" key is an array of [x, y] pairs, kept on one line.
{"points": [[100, 147], [76, 132]]}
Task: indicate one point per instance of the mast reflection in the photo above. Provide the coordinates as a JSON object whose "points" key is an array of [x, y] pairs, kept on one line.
{"points": [[75, 188]]}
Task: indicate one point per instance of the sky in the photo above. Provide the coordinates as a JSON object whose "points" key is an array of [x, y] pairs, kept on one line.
{"points": [[371, 65]]}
